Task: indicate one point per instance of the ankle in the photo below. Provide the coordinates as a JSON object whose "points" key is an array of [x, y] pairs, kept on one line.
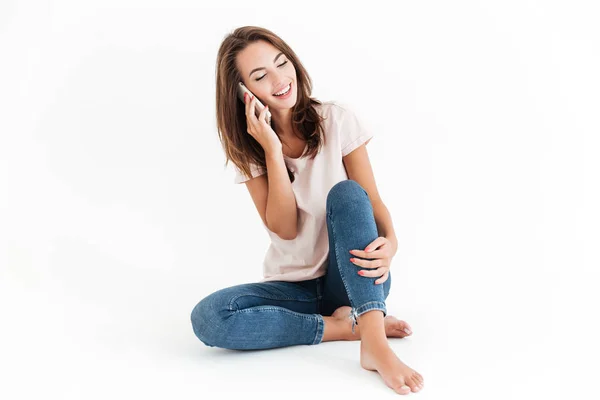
{"points": [[371, 320], [371, 317], [372, 326], [336, 329]]}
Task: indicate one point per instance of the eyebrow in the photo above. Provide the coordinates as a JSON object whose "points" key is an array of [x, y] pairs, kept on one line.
{"points": [[258, 69]]}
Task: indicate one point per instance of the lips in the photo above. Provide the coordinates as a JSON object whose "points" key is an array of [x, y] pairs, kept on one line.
{"points": [[282, 88]]}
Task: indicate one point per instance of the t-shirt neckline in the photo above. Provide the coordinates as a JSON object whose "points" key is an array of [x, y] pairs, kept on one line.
{"points": [[297, 159]]}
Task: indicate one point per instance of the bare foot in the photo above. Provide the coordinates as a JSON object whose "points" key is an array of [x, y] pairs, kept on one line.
{"points": [[377, 355], [393, 326]]}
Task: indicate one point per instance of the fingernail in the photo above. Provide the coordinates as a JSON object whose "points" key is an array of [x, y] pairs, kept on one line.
{"points": [[407, 331]]}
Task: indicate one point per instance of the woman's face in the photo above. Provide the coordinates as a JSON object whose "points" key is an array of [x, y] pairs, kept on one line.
{"points": [[266, 71]]}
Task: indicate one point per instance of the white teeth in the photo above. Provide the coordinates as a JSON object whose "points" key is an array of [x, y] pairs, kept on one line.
{"points": [[285, 91]]}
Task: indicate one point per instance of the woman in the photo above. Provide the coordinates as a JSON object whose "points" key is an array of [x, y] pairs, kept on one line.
{"points": [[326, 272]]}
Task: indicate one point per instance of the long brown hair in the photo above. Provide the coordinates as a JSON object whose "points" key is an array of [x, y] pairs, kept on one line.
{"points": [[240, 147]]}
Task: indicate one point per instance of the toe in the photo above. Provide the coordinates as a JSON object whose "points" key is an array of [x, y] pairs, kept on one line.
{"points": [[400, 386], [395, 327], [403, 389], [413, 384], [403, 325], [420, 378], [420, 384]]}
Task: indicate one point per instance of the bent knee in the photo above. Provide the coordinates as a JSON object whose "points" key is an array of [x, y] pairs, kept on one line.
{"points": [[347, 190], [204, 321]]}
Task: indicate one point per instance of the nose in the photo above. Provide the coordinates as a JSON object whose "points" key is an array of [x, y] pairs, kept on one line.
{"points": [[279, 80]]}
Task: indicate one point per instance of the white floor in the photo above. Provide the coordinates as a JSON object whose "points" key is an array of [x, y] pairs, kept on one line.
{"points": [[124, 334]]}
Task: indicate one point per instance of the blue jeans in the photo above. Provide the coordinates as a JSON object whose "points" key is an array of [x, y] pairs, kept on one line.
{"points": [[271, 314]]}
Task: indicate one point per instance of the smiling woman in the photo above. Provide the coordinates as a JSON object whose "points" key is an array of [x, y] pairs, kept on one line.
{"points": [[327, 269], [266, 65]]}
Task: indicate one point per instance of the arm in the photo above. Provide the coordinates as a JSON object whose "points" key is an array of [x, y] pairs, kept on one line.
{"points": [[358, 168], [282, 210], [274, 198]]}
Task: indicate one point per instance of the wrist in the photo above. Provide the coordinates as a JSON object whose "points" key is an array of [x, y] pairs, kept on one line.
{"points": [[274, 151], [394, 242]]}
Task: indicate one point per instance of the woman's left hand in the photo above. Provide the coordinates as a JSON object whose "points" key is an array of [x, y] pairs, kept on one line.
{"points": [[380, 251]]}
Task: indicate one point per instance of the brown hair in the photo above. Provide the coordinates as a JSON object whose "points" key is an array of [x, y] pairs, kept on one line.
{"points": [[240, 147]]}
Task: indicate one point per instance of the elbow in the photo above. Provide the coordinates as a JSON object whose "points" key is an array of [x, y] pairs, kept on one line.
{"points": [[288, 231], [288, 235], [285, 234]]}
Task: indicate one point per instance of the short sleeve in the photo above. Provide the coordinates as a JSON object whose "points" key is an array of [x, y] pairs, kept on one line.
{"points": [[240, 177], [353, 133]]}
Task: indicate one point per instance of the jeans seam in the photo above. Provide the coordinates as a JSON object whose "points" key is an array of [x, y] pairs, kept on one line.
{"points": [[235, 298], [275, 308]]}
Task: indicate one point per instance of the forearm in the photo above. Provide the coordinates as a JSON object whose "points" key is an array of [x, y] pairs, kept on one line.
{"points": [[282, 210], [385, 227]]}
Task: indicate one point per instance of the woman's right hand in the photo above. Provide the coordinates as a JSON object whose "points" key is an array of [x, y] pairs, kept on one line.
{"points": [[259, 128]]}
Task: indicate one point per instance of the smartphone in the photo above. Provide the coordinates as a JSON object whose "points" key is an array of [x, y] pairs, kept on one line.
{"points": [[259, 106]]}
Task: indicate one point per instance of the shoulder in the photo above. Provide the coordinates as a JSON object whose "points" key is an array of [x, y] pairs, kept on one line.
{"points": [[332, 106], [337, 110], [334, 112]]}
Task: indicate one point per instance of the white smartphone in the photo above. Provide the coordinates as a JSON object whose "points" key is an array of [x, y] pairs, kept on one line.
{"points": [[259, 106]]}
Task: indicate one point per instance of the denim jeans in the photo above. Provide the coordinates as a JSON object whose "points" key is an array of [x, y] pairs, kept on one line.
{"points": [[272, 314]]}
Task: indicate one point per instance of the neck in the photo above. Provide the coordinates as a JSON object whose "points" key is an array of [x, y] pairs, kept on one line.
{"points": [[283, 121]]}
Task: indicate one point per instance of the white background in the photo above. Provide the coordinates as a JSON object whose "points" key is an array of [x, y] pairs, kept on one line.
{"points": [[117, 214]]}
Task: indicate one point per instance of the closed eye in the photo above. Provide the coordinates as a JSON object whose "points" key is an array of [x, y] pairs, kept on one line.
{"points": [[282, 64]]}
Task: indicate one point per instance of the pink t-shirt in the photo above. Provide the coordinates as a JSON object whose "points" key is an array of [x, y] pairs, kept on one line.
{"points": [[305, 257]]}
